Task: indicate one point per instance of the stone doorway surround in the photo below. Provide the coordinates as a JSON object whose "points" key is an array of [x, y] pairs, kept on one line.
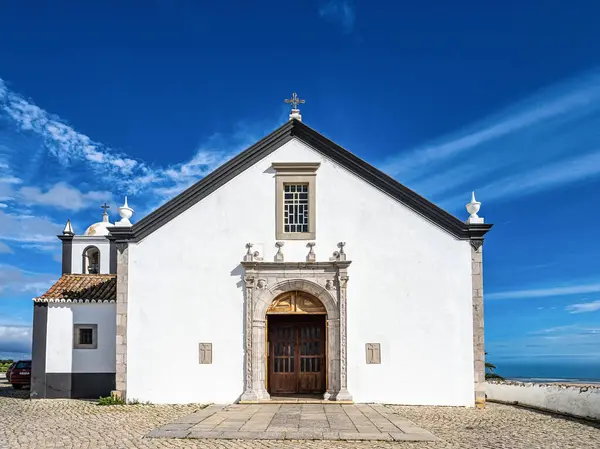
{"points": [[264, 281]]}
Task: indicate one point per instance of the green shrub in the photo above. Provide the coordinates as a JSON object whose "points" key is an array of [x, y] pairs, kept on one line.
{"points": [[135, 401], [4, 364], [111, 400]]}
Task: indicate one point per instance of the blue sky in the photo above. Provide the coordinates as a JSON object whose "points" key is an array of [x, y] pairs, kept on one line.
{"points": [[145, 98]]}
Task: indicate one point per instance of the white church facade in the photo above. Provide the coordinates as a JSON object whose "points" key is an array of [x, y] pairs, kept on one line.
{"points": [[296, 268]]}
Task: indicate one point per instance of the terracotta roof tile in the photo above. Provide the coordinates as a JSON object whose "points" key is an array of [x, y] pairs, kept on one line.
{"points": [[82, 287]]}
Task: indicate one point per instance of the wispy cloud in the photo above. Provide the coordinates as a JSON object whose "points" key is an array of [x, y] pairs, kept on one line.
{"points": [[584, 307], [546, 292], [340, 11], [544, 142], [113, 169], [63, 196], [68, 147], [554, 330], [28, 228], [14, 280], [573, 341], [538, 179], [15, 339], [10, 180]]}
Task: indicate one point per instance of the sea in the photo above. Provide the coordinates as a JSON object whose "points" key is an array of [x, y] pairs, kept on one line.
{"points": [[575, 371]]}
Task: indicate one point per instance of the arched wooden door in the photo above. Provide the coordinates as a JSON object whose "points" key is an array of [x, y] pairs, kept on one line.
{"points": [[296, 341]]}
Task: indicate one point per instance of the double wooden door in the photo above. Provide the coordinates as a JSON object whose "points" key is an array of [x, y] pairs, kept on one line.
{"points": [[296, 354]]}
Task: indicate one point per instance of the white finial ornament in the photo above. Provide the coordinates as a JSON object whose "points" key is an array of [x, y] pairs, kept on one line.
{"points": [[125, 212], [472, 208], [68, 229], [295, 101]]}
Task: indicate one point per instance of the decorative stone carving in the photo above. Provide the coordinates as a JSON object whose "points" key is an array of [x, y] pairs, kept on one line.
{"points": [[122, 246], [249, 282], [343, 280], [339, 255], [373, 353], [311, 256], [472, 208], [279, 254], [249, 257], [256, 256], [342, 254], [299, 279], [476, 243], [205, 353]]}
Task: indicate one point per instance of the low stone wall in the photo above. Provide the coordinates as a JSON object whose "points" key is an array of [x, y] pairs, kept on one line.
{"points": [[570, 399]]}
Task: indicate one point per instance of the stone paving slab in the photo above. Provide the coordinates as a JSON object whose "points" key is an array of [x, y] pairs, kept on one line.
{"points": [[82, 424], [360, 422]]}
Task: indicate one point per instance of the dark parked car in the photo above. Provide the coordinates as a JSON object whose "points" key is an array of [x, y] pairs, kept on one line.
{"points": [[20, 375], [9, 370]]}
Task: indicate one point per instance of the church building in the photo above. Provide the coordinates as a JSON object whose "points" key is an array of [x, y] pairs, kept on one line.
{"points": [[296, 269]]}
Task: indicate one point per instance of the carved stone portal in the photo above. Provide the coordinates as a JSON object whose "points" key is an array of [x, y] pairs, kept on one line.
{"points": [[293, 278]]}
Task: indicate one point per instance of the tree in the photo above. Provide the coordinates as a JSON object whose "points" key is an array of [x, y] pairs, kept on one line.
{"points": [[489, 372]]}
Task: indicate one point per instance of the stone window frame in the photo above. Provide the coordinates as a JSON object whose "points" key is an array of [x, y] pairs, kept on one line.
{"points": [[295, 173], [77, 328]]}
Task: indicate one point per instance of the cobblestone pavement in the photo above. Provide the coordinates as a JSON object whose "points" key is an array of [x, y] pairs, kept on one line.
{"points": [[373, 422], [81, 424]]}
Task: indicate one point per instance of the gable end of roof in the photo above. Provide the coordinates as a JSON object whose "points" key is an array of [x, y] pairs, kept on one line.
{"points": [[321, 144]]}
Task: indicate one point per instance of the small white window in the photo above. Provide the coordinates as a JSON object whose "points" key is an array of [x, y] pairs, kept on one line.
{"points": [[85, 336]]}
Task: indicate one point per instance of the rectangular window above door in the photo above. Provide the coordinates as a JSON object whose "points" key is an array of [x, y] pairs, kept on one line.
{"points": [[295, 197]]}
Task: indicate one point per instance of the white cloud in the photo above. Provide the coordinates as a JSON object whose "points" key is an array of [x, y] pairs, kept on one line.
{"points": [[44, 247], [15, 339], [342, 11], [6, 191], [115, 169], [28, 228], [10, 180], [553, 330], [4, 248], [545, 178], [542, 143], [494, 129], [63, 196], [65, 143], [14, 280], [584, 307], [546, 292]]}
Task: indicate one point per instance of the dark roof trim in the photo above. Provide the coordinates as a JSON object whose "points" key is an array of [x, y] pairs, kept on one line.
{"points": [[318, 142]]}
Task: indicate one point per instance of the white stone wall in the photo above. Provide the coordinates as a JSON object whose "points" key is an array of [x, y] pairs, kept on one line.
{"points": [[60, 355], [583, 401], [80, 243], [409, 289]]}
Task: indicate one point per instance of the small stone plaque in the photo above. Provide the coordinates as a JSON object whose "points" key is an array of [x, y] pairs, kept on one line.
{"points": [[373, 351], [205, 353]]}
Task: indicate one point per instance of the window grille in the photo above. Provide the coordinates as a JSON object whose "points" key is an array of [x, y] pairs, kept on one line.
{"points": [[295, 208], [86, 336]]}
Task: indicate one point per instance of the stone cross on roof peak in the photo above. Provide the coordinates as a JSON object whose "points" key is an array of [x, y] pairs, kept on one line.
{"points": [[295, 101], [105, 214]]}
